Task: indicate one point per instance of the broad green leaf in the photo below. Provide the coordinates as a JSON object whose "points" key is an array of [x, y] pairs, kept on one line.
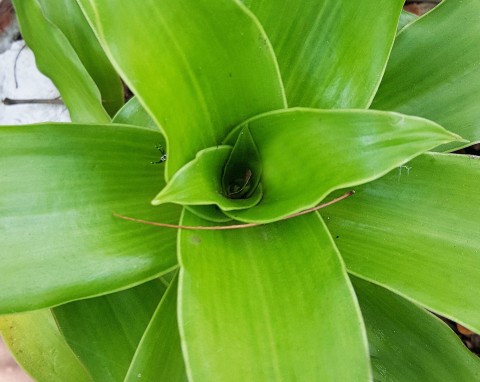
{"points": [[60, 185], [40, 348], [331, 53], [199, 182], [105, 331], [433, 70], [405, 19], [416, 232], [58, 60], [197, 81], [133, 113], [67, 15], [269, 303], [297, 146], [159, 355], [408, 343]]}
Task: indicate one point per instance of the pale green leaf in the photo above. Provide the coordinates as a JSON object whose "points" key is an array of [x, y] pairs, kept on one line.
{"points": [[40, 348], [269, 303], [133, 113], [416, 232], [405, 19], [58, 61], [105, 331], [67, 15], [199, 182], [60, 185], [433, 70], [331, 53], [159, 355], [198, 73], [307, 153], [408, 343]]}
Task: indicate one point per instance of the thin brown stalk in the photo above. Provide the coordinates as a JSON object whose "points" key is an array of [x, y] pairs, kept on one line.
{"points": [[236, 226]]}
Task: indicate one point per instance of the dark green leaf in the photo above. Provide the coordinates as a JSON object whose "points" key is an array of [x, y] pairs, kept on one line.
{"points": [[159, 355], [105, 331], [416, 232], [67, 15], [58, 60], [433, 70], [409, 344]]}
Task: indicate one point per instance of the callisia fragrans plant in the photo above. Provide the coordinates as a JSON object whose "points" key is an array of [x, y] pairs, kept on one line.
{"points": [[247, 118]]}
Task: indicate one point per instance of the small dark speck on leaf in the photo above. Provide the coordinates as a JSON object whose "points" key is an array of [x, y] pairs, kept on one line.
{"points": [[337, 237], [230, 75]]}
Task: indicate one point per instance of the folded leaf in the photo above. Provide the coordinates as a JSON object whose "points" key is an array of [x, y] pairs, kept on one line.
{"points": [[40, 348], [159, 355], [259, 304], [331, 53], [433, 70], [307, 153], [408, 343], [416, 232], [405, 19], [200, 183], [133, 113], [58, 61], [105, 331], [60, 185], [67, 15], [190, 80]]}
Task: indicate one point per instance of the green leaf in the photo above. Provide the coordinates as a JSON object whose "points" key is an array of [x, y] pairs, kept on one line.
{"points": [[433, 70], [190, 80], [259, 304], [297, 147], [331, 53], [105, 331], [243, 169], [159, 355], [39, 347], [408, 343], [405, 19], [415, 231], [58, 61], [133, 113], [61, 184], [67, 15], [200, 182]]}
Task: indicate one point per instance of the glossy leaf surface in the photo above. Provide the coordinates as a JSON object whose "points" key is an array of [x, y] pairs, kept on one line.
{"points": [[415, 231], [405, 19], [67, 15], [408, 343], [60, 186], [199, 182], [159, 355], [60, 63], [39, 347], [433, 70], [133, 113], [296, 147], [331, 53], [260, 304], [196, 87], [105, 331]]}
